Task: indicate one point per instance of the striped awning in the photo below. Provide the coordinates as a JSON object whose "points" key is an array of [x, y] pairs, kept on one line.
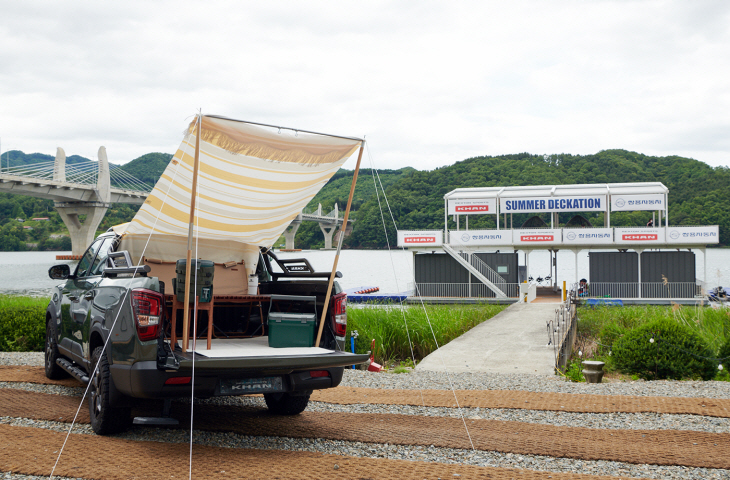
{"points": [[252, 182]]}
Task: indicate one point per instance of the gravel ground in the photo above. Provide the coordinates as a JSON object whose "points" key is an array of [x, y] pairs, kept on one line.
{"points": [[433, 380], [532, 383]]}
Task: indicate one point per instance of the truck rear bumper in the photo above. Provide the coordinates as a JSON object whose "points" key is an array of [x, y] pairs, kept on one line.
{"points": [[145, 380]]}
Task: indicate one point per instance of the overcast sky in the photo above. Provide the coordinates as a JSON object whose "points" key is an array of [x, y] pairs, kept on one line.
{"points": [[427, 83]]}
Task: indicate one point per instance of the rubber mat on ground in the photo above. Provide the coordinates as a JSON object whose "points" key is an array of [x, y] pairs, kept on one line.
{"points": [[662, 447], [562, 402], [33, 451], [19, 373]]}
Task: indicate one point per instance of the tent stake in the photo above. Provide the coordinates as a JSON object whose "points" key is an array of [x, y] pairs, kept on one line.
{"points": [[186, 302], [339, 247]]}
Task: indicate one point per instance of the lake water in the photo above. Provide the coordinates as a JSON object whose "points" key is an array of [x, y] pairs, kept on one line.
{"points": [[27, 272]]}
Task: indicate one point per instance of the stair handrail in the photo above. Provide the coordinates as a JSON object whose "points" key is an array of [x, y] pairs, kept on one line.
{"points": [[474, 271]]}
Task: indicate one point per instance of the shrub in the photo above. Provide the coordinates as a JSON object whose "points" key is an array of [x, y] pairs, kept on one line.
{"points": [[574, 371], [676, 352], [22, 324], [609, 334]]}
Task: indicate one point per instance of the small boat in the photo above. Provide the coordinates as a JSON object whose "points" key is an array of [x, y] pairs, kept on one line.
{"points": [[371, 294], [719, 297]]}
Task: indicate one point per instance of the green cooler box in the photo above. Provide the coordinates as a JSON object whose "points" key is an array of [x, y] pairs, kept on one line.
{"points": [[291, 329]]}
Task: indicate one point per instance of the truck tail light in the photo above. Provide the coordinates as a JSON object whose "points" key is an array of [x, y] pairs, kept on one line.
{"points": [[178, 380], [319, 373], [339, 315], [147, 306]]}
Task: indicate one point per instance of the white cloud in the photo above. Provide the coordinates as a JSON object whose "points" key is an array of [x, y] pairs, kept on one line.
{"points": [[429, 83]]}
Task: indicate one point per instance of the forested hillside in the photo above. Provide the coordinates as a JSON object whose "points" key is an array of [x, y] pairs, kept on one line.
{"points": [[698, 194]]}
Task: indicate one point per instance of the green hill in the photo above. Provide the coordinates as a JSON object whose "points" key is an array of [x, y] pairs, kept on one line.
{"points": [[149, 167]]}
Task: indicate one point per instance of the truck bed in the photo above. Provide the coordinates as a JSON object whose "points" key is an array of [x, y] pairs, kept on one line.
{"points": [[251, 347]]}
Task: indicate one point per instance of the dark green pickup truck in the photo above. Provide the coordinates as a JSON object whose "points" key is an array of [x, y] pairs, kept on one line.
{"points": [[109, 324]]}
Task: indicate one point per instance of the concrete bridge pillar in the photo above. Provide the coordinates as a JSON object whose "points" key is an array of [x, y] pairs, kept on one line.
{"points": [[82, 234], [328, 229], [291, 231]]}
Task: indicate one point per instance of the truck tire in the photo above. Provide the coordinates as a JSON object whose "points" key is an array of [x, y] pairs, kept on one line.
{"points": [[105, 419], [286, 403], [53, 371]]}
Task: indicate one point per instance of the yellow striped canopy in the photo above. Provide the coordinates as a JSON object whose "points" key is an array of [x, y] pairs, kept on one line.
{"points": [[252, 182]]}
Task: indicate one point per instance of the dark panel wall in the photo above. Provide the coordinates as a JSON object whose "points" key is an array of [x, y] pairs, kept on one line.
{"points": [[439, 268], [624, 266], [613, 267], [442, 268], [675, 266]]}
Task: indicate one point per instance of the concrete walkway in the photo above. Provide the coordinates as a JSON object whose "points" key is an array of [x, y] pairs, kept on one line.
{"points": [[514, 341]]}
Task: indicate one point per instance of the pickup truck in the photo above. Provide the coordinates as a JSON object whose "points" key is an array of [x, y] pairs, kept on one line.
{"points": [[109, 324]]}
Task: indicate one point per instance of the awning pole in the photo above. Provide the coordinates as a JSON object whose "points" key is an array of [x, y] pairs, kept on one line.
{"points": [[186, 311], [339, 247]]}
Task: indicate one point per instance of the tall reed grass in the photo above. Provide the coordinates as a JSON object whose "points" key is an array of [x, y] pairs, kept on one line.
{"points": [[429, 327]]}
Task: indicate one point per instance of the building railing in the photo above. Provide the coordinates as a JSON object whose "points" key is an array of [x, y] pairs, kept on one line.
{"points": [[464, 290], [617, 290], [643, 290]]}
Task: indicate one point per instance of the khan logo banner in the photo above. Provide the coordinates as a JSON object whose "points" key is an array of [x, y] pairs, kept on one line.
{"points": [[643, 237], [420, 240], [472, 206], [537, 238]]}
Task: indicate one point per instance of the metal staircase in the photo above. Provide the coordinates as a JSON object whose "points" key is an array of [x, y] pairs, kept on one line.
{"points": [[483, 272]]}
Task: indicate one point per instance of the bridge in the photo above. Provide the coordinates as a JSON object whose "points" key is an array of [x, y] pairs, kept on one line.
{"points": [[329, 224], [76, 189], [90, 188]]}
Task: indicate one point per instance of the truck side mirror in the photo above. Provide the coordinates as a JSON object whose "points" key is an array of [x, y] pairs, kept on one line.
{"points": [[59, 272]]}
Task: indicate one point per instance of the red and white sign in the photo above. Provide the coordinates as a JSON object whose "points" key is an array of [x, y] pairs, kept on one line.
{"points": [[639, 235], [472, 206], [419, 239], [536, 237], [407, 238]]}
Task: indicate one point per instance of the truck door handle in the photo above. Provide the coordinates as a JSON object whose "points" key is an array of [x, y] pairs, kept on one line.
{"points": [[73, 298], [89, 295]]}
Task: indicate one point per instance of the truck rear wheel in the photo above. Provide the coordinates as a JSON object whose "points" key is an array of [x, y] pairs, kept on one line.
{"points": [[105, 419], [286, 403]]}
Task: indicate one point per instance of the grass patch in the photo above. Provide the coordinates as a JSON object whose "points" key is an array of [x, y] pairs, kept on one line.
{"points": [[387, 325], [602, 329], [22, 323]]}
